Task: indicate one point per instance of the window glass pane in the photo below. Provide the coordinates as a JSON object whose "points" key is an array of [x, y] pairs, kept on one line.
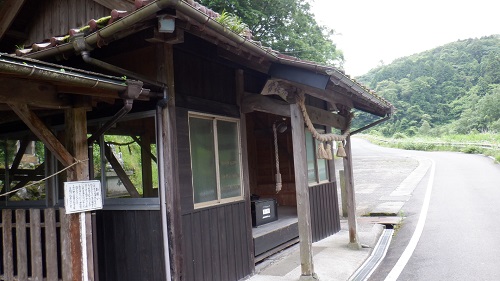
{"points": [[311, 173], [322, 170], [201, 136], [125, 160], [30, 168], [229, 159]]}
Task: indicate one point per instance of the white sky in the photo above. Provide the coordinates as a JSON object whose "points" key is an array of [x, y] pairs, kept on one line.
{"points": [[370, 31]]}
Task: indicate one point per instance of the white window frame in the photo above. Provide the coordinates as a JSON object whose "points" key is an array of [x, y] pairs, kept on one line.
{"points": [[214, 119]]}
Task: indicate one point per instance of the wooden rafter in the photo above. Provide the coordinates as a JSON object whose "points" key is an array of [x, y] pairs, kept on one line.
{"points": [[8, 13], [37, 126]]}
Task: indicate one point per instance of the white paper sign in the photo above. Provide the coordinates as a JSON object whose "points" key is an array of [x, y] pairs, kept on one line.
{"points": [[82, 196]]}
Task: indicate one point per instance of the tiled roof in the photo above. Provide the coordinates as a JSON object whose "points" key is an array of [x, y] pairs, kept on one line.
{"points": [[94, 25]]}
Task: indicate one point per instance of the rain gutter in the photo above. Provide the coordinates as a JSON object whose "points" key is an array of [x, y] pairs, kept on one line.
{"points": [[30, 69], [206, 21], [370, 125]]}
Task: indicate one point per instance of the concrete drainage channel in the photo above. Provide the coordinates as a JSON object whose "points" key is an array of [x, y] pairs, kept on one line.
{"points": [[377, 255]]}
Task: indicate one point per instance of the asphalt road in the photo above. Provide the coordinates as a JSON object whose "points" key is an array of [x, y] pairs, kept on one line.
{"points": [[460, 238]]}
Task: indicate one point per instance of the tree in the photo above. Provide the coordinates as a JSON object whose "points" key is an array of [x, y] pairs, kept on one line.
{"points": [[287, 26]]}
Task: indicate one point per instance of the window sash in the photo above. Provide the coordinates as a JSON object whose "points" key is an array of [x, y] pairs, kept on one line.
{"points": [[217, 121]]}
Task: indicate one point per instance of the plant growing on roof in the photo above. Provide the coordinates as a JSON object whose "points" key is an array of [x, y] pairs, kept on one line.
{"points": [[233, 22], [287, 26]]}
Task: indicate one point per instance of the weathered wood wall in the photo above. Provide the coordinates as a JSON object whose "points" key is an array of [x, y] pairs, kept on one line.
{"points": [[262, 159], [57, 17], [215, 239], [216, 244], [324, 203], [130, 245]]}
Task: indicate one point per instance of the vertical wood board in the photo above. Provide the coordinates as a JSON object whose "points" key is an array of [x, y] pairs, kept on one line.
{"points": [[22, 254]]}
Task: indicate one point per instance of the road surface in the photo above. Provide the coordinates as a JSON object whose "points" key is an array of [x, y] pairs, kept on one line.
{"points": [[460, 236]]}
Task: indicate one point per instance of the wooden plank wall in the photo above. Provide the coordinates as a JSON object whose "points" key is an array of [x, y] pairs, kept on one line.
{"points": [[262, 158], [215, 242], [130, 245], [57, 17], [325, 219], [33, 245]]}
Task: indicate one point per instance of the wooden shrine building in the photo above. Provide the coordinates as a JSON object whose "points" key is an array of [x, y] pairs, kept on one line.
{"points": [[196, 134]]}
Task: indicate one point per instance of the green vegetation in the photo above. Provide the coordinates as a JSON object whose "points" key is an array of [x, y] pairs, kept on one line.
{"points": [[447, 98], [287, 26], [450, 90], [233, 22]]}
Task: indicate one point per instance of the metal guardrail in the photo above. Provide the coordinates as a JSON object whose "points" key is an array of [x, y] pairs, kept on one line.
{"points": [[453, 144]]}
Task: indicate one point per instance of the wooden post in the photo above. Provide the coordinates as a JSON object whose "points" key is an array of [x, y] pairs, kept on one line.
{"points": [[82, 263], [351, 198], [171, 175], [240, 89], [302, 193]]}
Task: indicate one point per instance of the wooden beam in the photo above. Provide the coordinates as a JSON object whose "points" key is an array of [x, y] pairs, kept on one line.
{"points": [[331, 96], [8, 13], [23, 144], [302, 193], [122, 175], [31, 93], [253, 102], [43, 133]]}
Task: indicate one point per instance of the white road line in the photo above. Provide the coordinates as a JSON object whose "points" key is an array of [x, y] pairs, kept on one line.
{"points": [[405, 257]]}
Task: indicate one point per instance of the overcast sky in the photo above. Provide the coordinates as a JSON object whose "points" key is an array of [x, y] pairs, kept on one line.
{"points": [[371, 31]]}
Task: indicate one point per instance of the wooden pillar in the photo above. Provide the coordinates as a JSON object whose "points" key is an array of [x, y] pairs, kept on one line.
{"points": [[80, 235], [351, 197], [302, 193], [171, 175], [240, 89], [146, 161]]}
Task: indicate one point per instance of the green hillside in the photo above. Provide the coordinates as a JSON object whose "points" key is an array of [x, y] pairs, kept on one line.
{"points": [[452, 89]]}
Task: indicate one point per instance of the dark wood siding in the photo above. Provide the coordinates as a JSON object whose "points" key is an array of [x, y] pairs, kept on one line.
{"points": [[216, 244], [215, 239], [130, 245], [325, 219]]}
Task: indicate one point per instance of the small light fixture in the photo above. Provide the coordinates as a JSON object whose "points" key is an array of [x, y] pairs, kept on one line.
{"points": [[166, 24]]}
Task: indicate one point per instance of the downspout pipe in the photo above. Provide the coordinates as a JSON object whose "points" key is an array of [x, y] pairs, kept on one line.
{"points": [[370, 125], [160, 108], [118, 70], [133, 91]]}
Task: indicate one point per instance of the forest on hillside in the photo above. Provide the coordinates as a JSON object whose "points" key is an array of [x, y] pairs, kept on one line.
{"points": [[452, 89]]}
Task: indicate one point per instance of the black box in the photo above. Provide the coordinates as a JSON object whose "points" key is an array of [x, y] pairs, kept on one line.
{"points": [[264, 211]]}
